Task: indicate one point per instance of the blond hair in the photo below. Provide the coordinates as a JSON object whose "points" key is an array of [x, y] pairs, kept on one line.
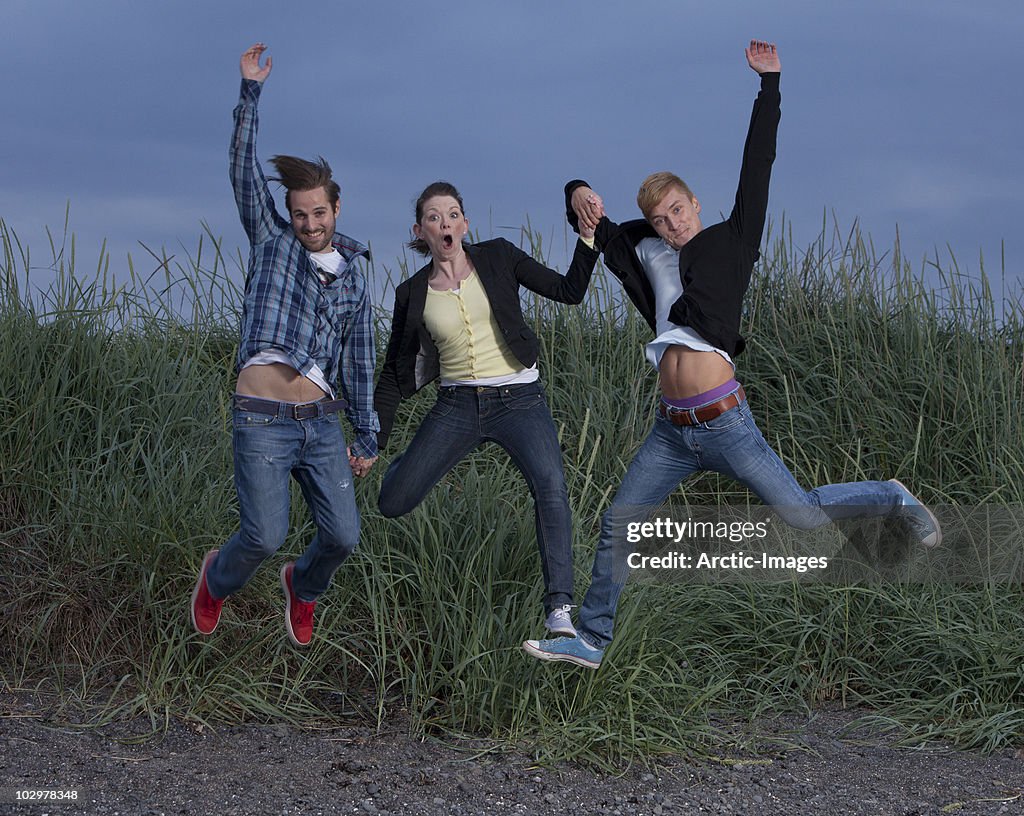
{"points": [[655, 187]]}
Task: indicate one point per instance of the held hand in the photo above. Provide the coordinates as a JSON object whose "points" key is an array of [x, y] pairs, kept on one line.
{"points": [[251, 68], [589, 209], [595, 208], [762, 57], [360, 466], [363, 466]]}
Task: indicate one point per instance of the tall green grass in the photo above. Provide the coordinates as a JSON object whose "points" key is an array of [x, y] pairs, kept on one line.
{"points": [[115, 478]]}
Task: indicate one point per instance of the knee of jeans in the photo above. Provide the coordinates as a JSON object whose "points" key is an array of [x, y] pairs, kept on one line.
{"points": [[810, 517], [608, 525], [550, 489], [392, 503], [612, 526], [339, 541], [262, 541], [618, 520]]}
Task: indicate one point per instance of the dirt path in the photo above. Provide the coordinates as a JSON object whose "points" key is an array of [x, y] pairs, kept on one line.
{"points": [[281, 770]]}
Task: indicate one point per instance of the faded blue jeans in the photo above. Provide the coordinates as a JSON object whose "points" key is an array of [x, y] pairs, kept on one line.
{"points": [[517, 418], [268, 451], [732, 445]]}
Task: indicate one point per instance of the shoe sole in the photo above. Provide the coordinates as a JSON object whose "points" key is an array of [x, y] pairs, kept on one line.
{"points": [[931, 516], [195, 594], [570, 633], [559, 658], [288, 608]]}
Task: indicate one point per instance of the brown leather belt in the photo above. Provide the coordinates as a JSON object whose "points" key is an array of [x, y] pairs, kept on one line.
{"points": [[695, 416], [304, 410]]}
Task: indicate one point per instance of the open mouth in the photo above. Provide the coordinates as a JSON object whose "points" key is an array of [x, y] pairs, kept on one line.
{"points": [[448, 241]]}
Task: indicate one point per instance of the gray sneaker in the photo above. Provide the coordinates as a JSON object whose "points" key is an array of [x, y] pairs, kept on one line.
{"points": [[559, 622], [921, 520]]}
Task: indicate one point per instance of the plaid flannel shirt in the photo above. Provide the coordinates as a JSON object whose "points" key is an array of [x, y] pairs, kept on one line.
{"points": [[286, 307]]}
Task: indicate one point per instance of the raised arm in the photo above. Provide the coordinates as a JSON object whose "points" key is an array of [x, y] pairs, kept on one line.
{"points": [[252, 193], [751, 207], [546, 282]]}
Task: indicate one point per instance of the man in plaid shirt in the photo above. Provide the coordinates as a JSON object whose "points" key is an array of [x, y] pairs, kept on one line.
{"points": [[306, 330]]}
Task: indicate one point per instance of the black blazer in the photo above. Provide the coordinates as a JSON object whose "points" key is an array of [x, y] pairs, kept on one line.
{"points": [[412, 360]]}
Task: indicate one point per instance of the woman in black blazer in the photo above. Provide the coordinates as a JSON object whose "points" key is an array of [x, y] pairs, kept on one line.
{"points": [[459, 318]]}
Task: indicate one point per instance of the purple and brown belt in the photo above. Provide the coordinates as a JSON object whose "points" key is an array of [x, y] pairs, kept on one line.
{"points": [[695, 416]]}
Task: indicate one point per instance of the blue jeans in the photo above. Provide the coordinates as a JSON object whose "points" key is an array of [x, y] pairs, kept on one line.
{"points": [[268, 449], [517, 418], [732, 445]]}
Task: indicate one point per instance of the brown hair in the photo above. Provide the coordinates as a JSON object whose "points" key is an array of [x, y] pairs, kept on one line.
{"points": [[437, 188], [298, 174], [655, 187]]}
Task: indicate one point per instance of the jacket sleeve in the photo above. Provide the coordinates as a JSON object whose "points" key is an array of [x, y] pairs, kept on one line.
{"points": [[616, 241], [606, 228], [568, 288], [388, 394], [751, 207]]}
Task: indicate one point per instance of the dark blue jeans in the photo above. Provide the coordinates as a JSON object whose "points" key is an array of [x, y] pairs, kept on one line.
{"points": [[517, 418], [268, 451]]}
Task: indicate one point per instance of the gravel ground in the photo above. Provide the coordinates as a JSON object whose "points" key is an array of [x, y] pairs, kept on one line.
{"points": [[283, 770]]}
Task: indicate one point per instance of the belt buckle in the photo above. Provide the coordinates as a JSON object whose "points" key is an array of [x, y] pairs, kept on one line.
{"points": [[305, 410], [679, 416]]}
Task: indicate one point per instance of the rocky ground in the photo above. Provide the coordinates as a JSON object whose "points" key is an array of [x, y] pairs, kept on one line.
{"points": [[282, 770]]}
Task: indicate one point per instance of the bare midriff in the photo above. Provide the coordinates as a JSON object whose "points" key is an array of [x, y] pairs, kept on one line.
{"points": [[686, 373], [277, 381]]}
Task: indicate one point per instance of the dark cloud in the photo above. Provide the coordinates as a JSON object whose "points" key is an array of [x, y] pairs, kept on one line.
{"points": [[893, 113]]}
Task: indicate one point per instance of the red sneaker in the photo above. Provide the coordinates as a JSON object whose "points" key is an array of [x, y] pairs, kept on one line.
{"points": [[298, 614], [205, 609]]}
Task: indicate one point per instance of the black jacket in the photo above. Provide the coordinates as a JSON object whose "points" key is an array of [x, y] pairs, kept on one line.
{"points": [[715, 265], [412, 360]]}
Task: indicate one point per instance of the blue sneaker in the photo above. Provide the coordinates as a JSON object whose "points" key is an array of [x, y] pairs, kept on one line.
{"points": [[571, 650], [921, 520]]}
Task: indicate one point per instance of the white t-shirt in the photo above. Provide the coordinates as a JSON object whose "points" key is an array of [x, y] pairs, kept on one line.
{"points": [[327, 264]]}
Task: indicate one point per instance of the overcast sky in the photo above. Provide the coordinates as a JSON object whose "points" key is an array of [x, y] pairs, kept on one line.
{"points": [[894, 113]]}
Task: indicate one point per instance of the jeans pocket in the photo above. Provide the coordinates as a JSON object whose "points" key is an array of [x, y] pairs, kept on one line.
{"points": [[521, 399], [250, 419], [445, 403], [725, 422]]}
